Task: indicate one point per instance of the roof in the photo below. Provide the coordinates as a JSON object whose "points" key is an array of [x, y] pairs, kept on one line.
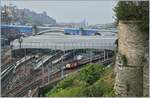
{"points": [[73, 31], [20, 28], [66, 42]]}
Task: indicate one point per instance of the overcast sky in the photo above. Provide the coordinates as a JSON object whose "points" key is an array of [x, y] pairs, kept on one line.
{"points": [[94, 12]]}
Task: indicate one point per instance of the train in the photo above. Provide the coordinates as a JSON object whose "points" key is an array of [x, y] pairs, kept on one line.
{"points": [[71, 65], [82, 61], [74, 63]]}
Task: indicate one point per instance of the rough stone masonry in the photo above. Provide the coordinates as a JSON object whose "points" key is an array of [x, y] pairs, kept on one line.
{"points": [[132, 73]]}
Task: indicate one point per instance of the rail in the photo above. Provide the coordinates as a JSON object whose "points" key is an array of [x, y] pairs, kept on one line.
{"points": [[57, 77], [24, 59], [14, 66], [45, 59], [6, 71]]}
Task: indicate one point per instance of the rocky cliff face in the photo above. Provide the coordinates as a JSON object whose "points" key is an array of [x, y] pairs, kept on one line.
{"points": [[131, 61]]}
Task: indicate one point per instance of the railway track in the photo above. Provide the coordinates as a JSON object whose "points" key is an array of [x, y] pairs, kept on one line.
{"points": [[24, 87], [19, 86], [22, 84], [27, 88], [6, 71]]}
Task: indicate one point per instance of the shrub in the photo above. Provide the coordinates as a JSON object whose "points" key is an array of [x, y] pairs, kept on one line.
{"points": [[91, 81], [69, 92], [91, 73], [67, 82], [102, 87], [93, 91], [134, 10]]}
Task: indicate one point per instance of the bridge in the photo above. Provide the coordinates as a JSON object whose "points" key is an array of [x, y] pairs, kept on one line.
{"points": [[60, 41]]}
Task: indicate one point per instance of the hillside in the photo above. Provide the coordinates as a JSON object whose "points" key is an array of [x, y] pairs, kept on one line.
{"points": [[90, 81], [12, 14], [37, 18]]}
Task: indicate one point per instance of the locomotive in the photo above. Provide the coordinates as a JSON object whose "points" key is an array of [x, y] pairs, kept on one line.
{"points": [[75, 63]]}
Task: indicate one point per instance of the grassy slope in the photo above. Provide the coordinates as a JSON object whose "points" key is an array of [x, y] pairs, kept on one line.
{"points": [[93, 80]]}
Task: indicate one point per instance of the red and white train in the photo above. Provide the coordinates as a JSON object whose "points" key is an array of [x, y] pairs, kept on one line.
{"points": [[75, 63]]}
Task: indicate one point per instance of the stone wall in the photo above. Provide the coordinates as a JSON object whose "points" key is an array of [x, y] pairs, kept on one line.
{"points": [[146, 74], [131, 62]]}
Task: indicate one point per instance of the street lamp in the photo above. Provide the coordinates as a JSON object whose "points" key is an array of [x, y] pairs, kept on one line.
{"points": [[20, 40]]}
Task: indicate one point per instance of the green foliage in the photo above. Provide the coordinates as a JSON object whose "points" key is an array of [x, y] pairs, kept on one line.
{"points": [[91, 81], [91, 73], [67, 82], [134, 10], [69, 92], [93, 91], [70, 86], [104, 86]]}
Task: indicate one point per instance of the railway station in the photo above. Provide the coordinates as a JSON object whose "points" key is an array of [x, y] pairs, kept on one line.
{"points": [[53, 54], [74, 49], [61, 41]]}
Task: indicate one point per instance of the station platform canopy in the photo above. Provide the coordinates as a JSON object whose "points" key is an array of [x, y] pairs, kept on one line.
{"points": [[80, 31], [60, 41]]}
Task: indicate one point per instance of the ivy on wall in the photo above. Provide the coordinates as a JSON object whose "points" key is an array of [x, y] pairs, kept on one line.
{"points": [[135, 11]]}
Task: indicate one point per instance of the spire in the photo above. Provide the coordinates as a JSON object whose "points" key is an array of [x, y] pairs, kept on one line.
{"points": [[84, 22]]}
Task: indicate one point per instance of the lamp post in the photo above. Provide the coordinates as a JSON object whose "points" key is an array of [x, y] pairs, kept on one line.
{"points": [[62, 61], [34, 30], [20, 40]]}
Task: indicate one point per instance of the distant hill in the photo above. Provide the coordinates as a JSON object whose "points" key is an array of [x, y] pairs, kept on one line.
{"points": [[36, 18], [10, 14]]}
